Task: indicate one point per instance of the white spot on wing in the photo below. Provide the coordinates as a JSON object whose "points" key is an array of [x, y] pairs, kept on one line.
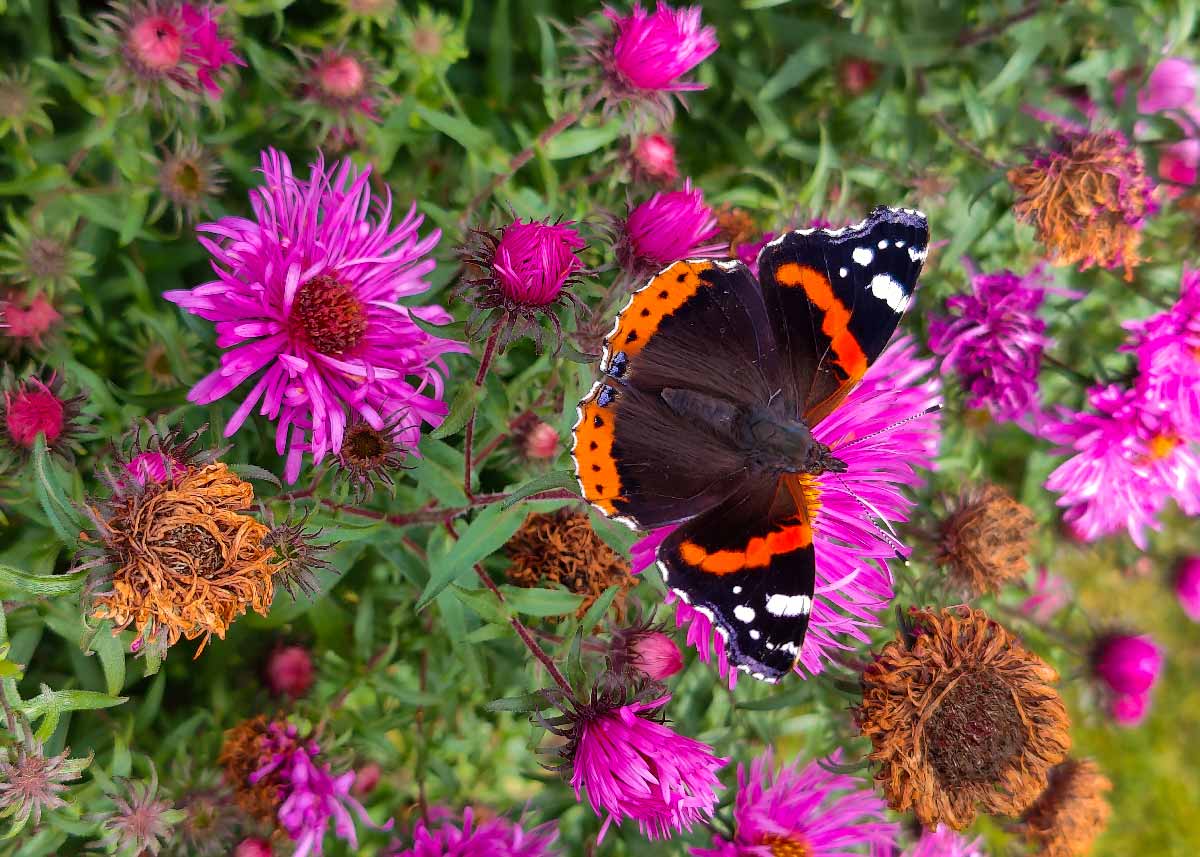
{"points": [[889, 291], [744, 613], [918, 254], [789, 605], [863, 255], [883, 245], [842, 272], [737, 590], [755, 634]]}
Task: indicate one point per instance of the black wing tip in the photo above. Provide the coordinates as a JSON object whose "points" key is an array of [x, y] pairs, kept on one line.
{"points": [[904, 216]]}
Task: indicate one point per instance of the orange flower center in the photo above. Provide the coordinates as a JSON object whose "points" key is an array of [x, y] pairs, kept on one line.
{"points": [[328, 315], [786, 846], [1162, 445]]}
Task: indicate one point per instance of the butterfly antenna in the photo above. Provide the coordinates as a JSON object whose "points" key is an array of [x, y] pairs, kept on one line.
{"points": [[932, 409], [875, 516]]}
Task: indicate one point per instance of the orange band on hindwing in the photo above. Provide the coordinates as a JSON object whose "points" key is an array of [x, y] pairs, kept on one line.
{"points": [[594, 463], [835, 324], [757, 553]]}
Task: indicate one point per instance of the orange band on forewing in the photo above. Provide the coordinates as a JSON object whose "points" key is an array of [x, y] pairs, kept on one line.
{"points": [[594, 462], [663, 295], [836, 323], [757, 554]]}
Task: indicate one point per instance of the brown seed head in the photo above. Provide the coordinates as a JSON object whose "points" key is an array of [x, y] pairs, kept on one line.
{"points": [[962, 718], [244, 751], [186, 562], [736, 225], [562, 547], [1087, 198], [1072, 811], [985, 540]]}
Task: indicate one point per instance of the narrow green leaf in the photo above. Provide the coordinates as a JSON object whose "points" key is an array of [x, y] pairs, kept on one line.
{"points": [[470, 137], [554, 480], [582, 141], [483, 603], [461, 408], [67, 700], [798, 694], [487, 533], [111, 652], [541, 602], [599, 609], [796, 69], [43, 585], [535, 701]]}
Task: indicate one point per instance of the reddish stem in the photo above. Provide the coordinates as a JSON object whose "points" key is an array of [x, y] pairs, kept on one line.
{"points": [[485, 363]]}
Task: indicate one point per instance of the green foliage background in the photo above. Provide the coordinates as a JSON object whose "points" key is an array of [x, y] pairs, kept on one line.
{"points": [[776, 133]]}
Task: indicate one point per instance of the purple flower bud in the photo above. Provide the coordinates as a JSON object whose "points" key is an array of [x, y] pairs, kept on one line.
{"points": [[1126, 663], [655, 655], [252, 846], [290, 671], [653, 50], [668, 226], [1129, 709], [534, 260], [1187, 587]]}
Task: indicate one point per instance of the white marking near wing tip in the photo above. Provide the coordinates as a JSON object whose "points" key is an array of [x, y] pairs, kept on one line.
{"points": [[889, 291], [737, 590], [805, 231], [899, 243], [862, 256], [842, 272], [789, 605], [755, 634], [744, 613], [883, 244], [918, 254]]}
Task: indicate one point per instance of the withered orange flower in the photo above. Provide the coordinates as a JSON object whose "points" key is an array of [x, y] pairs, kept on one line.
{"points": [[1088, 198], [561, 547], [184, 559], [962, 717], [245, 749], [985, 540], [1071, 813]]}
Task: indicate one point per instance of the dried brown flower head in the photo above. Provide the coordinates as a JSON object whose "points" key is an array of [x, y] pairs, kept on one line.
{"points": [[985, 540], [1072, 811], [561, 547], [1088, 198], [962, 717], [736, 225], [184, 561], [245, 749]]}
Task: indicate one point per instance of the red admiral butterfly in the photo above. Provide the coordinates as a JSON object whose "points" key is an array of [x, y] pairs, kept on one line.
{"points": [[711, 383]]}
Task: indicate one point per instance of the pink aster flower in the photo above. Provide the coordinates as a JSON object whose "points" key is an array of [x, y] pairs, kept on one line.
{"points": [[944, 842], [883, 432], [1171, 88], [653, 50], [312, 795], [1127, 663], [342, 88], [1167, 346], [1128, 458], [1129, 709], [444, 835], [165, 47], [669, 226], [305, 303], [808, 811], [521, 273], [1049, 595], [27, 319], [993, 340], [633, 766], [1187, 587]]}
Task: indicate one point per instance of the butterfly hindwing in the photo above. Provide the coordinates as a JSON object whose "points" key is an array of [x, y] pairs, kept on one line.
{"points": [[749, 566], [836, 296], [635, 457]]}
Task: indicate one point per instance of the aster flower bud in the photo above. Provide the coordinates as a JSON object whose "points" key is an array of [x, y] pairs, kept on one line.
{"points": [[857, 75], [34, 408], [630, 764], [1088, 198], [1050, 594], [22, 104], [644, 649], [1129, 709], [1187, 587], [139, 821], [342, 89], [42, 255], [290, 671], [541, 441], [522, 272], [1127, 663], [189, 179], [24, 319], [252, 846], [32, 782], [653, 159], [367, 778], [668, 226]]}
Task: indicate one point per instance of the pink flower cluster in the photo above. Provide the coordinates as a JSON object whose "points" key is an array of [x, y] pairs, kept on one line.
{"points": [[1136, 448], [441, 834], [176, 43]]}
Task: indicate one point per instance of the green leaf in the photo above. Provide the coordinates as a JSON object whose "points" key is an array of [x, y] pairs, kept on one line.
{"points": [[500, 54], [535, 701], [440, 472], [51, 496], [582, 141], [486, 534], [1031, 38], [57, 701], [541, 602], [470, 137], [552, 481], [796, 69], [483, 603], [111, 652], [798, 694], [461, 409], [596, 613], [43, 585]]}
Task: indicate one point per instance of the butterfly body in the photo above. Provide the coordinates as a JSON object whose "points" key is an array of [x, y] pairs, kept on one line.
{"points": [[711, 386]]}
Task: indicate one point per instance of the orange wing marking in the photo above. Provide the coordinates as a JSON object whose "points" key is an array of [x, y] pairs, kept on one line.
{"points": [[757, 554], [594, 463], [836, 322], [659, 298]]}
